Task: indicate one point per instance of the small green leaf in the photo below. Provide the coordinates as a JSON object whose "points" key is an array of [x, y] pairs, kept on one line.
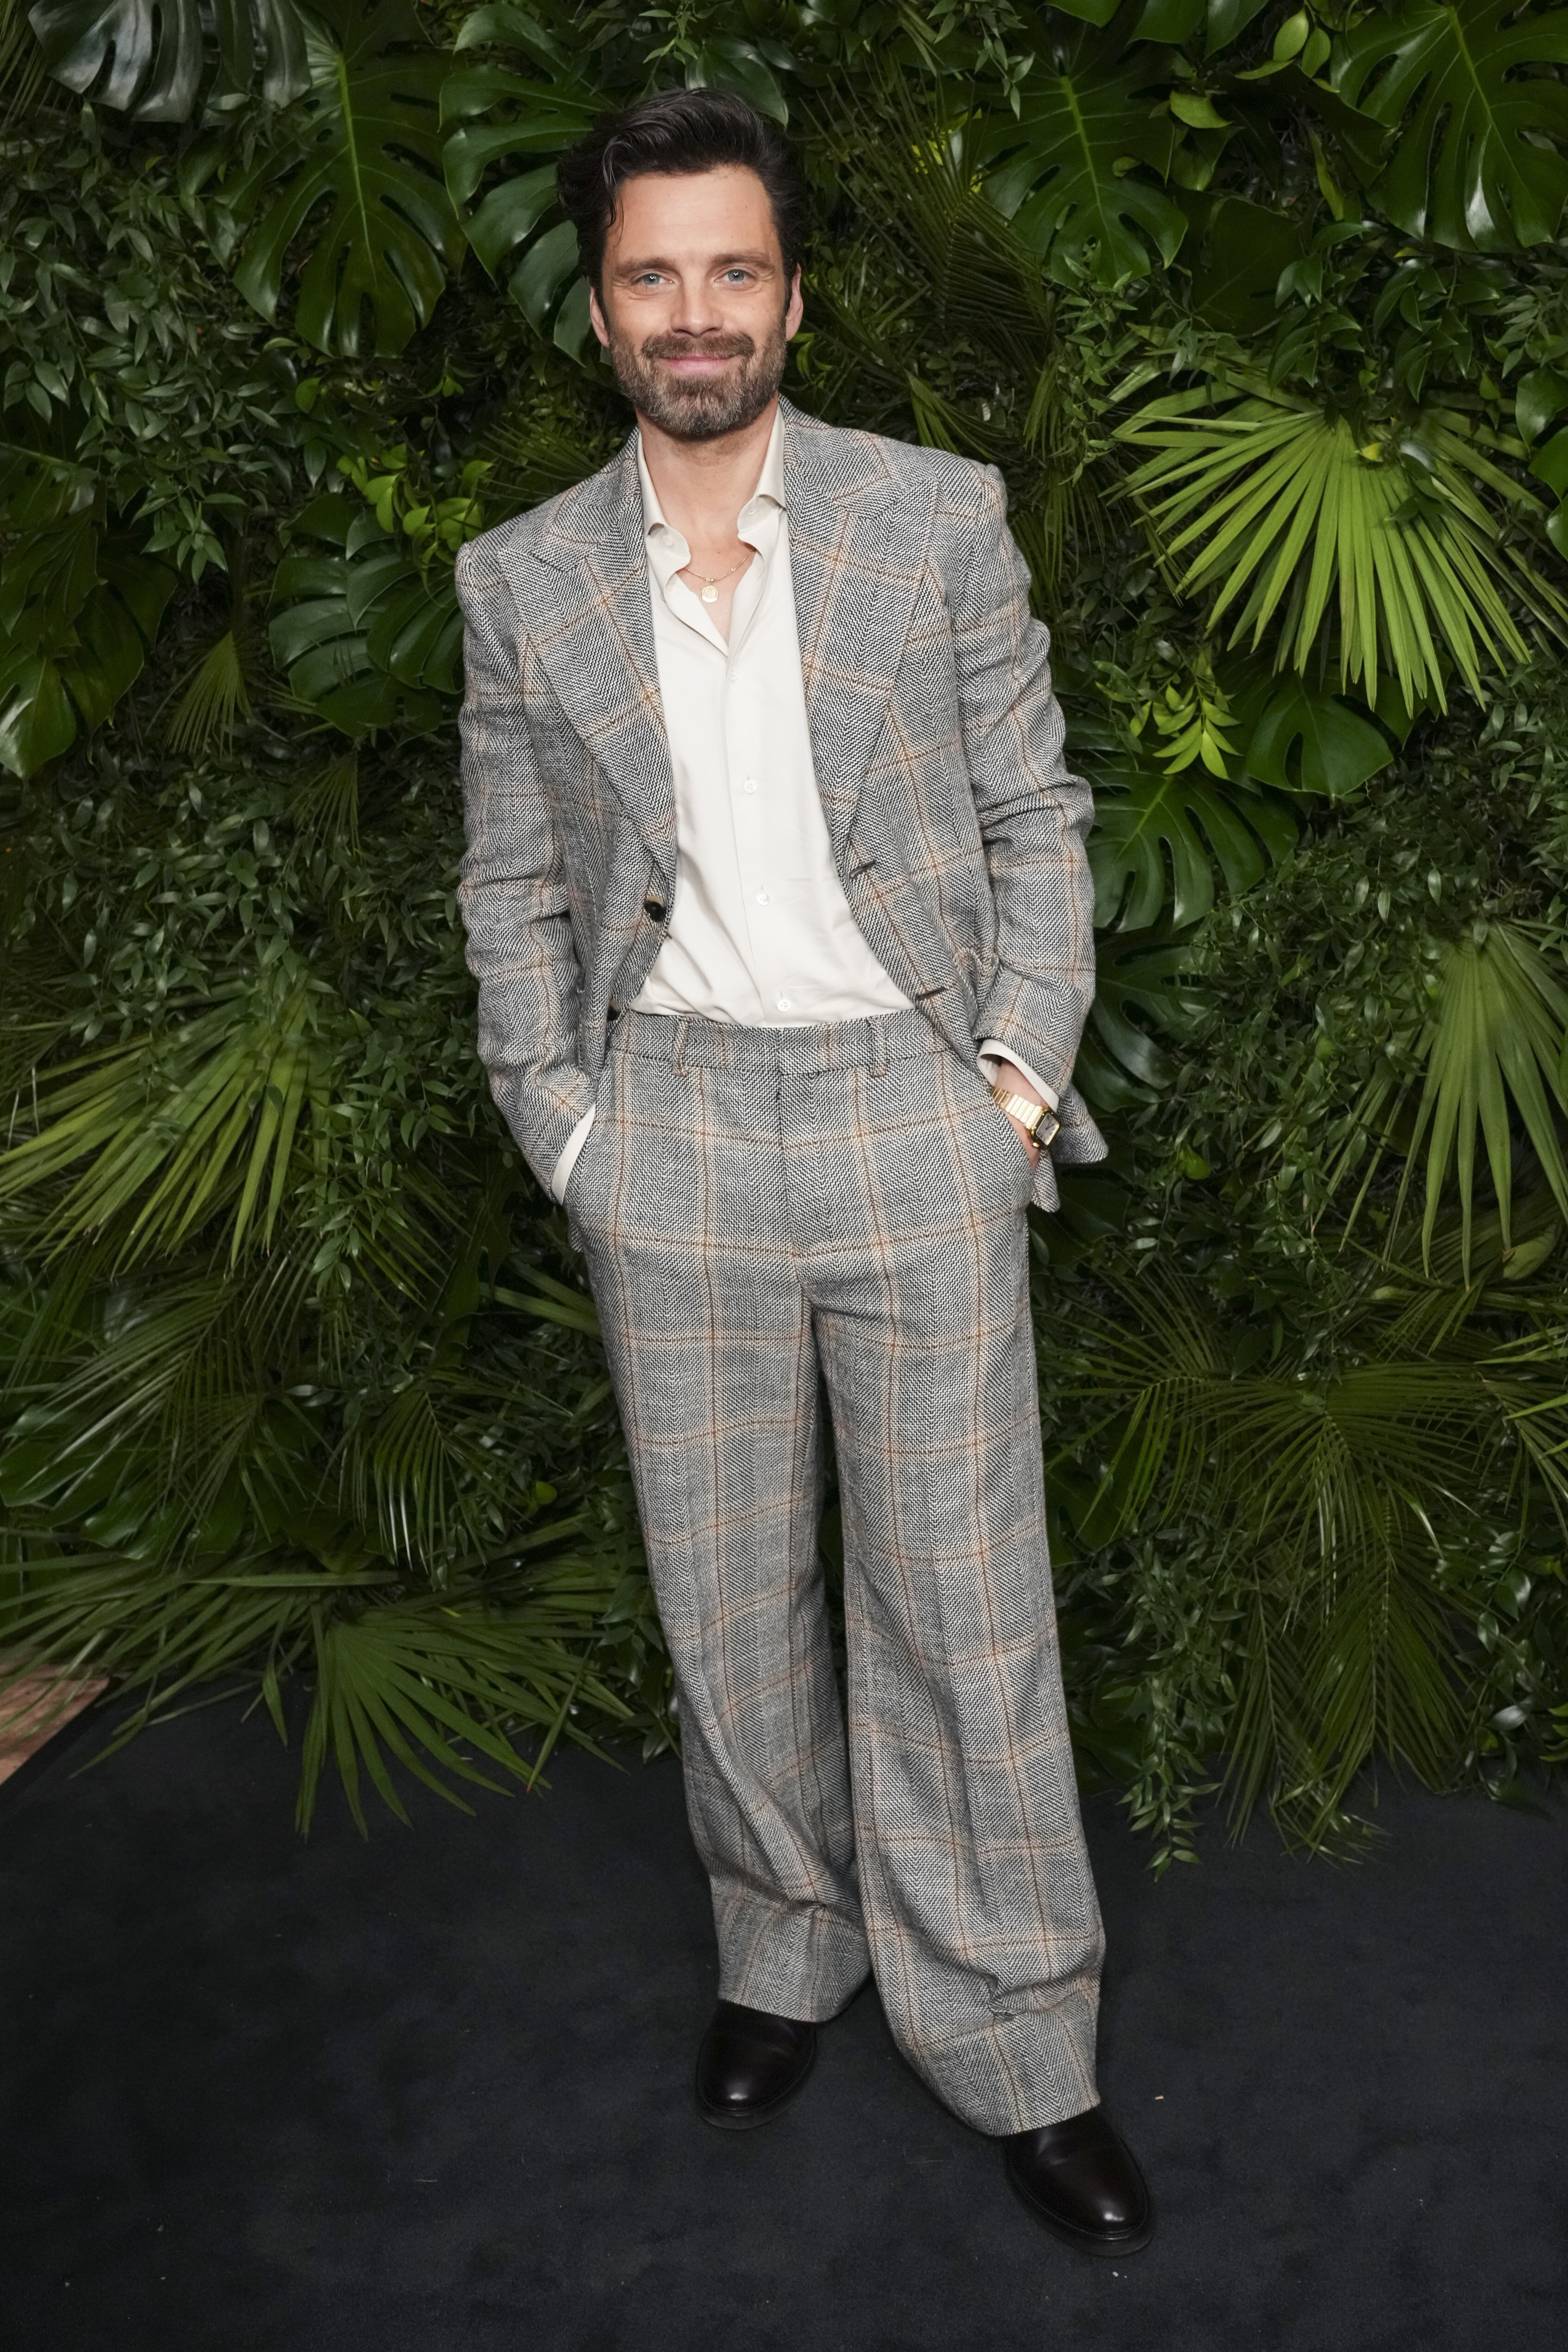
{"points": [[1291, 37], [1551, 463], [1199, 113], [37, 721], [1538, 397]]}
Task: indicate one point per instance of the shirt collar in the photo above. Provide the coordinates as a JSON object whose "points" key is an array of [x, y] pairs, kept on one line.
{"points": [[767, 497]]}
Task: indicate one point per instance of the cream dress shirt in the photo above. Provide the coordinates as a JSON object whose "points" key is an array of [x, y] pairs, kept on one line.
{"points": [[759, 934]]}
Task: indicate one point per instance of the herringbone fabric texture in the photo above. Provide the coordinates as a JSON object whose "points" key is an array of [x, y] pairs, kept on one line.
{"points": [[956, 825], [770, 1217]]}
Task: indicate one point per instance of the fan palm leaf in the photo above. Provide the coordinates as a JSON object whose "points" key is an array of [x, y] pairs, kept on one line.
{"points": [[1502, 1035], [425, 1472], [215, 701], [1285, 513], [174, 1128], [1322, 1482], [1496, 1048], [139, 1425], [425, 1680], [421, 1681], [21, 63]]}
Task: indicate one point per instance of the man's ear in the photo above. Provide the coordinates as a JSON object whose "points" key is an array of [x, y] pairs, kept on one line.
{"points": [[598, 316], [794, 310]]}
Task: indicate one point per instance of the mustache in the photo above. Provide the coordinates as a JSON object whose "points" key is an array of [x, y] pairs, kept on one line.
{"points": [[704, 347]]}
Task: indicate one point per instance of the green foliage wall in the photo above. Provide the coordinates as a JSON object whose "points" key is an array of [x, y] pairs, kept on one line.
{"points": [[1263, 314]]}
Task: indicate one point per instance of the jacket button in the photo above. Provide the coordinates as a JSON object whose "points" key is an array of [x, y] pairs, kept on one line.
{"points": [[654, 908]]}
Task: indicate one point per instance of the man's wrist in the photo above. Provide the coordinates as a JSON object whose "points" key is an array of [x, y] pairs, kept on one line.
{"points": [[1026, 1103], [997, 1063], [1015, 1081], [1035, 1121]]}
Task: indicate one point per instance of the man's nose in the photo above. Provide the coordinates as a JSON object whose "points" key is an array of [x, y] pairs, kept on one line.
{"points": [[696, 309]]}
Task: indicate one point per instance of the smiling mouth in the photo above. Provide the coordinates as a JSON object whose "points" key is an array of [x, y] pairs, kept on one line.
{"points": [[695, 362]]}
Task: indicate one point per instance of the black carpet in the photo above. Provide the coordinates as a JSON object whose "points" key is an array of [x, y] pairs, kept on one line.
{"points": [[430, 2093]]}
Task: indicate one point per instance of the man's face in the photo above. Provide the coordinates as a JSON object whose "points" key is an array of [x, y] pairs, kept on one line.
{"points": [[695, 311]]}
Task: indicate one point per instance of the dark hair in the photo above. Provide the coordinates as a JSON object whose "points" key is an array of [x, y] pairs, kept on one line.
{"points": [[674, 132]]}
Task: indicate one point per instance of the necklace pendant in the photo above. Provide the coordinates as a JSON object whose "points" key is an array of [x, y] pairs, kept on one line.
{"points": [[711, 593]]}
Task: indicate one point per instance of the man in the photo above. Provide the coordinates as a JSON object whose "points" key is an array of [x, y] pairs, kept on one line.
{"points": [[776, 897]]}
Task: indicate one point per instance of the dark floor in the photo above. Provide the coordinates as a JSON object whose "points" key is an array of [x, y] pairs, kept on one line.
{"points": [[429, 2094]]}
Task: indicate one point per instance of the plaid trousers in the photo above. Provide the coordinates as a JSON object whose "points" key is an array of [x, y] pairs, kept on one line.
{"points": [[769, 1215]]}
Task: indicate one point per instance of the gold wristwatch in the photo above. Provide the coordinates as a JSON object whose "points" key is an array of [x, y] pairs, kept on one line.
{"points": [[1037, 1120]]}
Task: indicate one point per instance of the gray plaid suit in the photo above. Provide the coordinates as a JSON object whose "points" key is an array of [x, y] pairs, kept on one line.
{"points": [[777, 1218]]}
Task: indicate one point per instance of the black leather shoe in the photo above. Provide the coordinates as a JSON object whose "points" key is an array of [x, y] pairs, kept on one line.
{"points": [[751, 2065], [1083, 2183]]}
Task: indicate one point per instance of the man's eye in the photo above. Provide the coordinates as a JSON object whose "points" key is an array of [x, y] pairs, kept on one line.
{"points": [[737, 277]]}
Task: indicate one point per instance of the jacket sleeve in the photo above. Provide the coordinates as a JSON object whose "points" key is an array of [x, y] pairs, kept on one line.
{"points": [[1034, 814], [513, 889]]}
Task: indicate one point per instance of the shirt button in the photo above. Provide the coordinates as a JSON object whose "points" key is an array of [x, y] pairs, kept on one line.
{"points": [[750, 785], [783, 1005], [762, 897]]}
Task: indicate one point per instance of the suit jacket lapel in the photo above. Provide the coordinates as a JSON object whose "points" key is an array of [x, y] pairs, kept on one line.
{"points": [[584, 591], [857, 547], [857, 541]]}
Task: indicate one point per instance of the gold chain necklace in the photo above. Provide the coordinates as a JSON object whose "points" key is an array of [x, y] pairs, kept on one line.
{"points": [[710, 583]]}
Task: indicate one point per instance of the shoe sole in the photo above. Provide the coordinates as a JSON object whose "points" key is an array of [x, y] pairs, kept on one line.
{"points": [[731, 2120], [1085, 2241]]}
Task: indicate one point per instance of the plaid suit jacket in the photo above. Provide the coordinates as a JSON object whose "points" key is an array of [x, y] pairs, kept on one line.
{"points": [[938, 743]]}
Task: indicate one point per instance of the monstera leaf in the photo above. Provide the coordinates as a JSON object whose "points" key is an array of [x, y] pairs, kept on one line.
{"points": [[1144, 816], [1136, 989], [1469, 89], [367, 639], [151, 58], [78, 609], [355, 168], [1307, 742], [1062, 172], [509, 119], [748, 68]]}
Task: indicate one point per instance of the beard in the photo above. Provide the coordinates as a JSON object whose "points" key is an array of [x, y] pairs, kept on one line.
{"points": [[699, 411]]}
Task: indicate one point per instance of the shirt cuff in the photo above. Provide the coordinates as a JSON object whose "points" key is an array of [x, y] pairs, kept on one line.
{"points": [[575, 1142], [993, 1051]]}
